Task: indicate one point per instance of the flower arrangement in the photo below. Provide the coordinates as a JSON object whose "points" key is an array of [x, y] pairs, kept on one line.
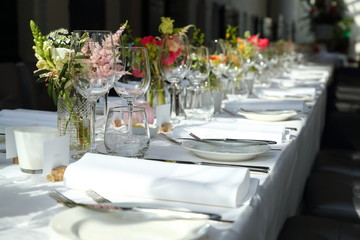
{"points": [[154, 44], [54, 53]]}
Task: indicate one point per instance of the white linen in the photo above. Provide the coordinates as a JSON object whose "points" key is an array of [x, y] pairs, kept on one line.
{"points": [[22, 117], [254, 104], [197, 184], [235, 129], [310, 92]]}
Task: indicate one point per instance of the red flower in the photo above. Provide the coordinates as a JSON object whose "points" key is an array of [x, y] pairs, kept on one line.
{"points": [[150, 40], [253, 39], [138, 73], [171, 57], [263, 43]]}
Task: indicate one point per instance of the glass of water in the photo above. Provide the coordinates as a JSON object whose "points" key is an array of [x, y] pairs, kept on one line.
{"points": [[124, 139]]}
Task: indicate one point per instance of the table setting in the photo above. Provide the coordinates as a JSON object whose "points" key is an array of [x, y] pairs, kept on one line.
{"points": [[133, 168]]}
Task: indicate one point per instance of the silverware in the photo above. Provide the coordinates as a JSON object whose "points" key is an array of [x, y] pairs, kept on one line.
{"points": [[97, 197], [230, 112], [257, 169], [169, 139], [250, 141], [166, 212], [244, 140]]}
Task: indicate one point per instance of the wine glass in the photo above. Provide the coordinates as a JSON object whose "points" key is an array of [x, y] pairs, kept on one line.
{"points": [[92, 68], [134, 83], [218, 61], [174, 64], [200, 66]]}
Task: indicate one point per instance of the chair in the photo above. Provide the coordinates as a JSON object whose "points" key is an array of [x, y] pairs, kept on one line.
{"points": [[316, 228], [342, 161], [333, 195]]}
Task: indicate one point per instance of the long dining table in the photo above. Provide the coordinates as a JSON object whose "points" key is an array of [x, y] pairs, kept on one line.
{"points": [[26, 208]]}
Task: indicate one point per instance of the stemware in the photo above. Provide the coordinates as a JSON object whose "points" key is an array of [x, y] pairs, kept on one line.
{"points": [[135, 82], [218, 61], [198, 102], [236, 86], [92, 68], [174, 64], [200, 66]]}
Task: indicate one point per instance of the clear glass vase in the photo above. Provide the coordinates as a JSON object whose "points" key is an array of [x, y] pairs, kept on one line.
{"points": [[157, 94], [74, 119]]}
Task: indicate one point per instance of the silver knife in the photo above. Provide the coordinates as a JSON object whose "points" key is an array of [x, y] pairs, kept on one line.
{"points": [[168, 212], [252, 168], [235, 140]]}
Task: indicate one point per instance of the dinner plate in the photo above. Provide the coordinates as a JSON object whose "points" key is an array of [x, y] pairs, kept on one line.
{"points": [[226, 151], [288, 96], [269, 115], [80, 223]]}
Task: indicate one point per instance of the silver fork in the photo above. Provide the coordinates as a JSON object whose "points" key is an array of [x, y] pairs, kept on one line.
{"points": [[61, 198], [97, 197]]}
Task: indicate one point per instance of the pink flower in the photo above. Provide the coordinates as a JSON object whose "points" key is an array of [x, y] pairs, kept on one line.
{"points": [[148, 109]]}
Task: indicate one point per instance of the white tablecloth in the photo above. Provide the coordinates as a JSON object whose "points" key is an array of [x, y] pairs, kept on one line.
{"points": [[26, 209]]}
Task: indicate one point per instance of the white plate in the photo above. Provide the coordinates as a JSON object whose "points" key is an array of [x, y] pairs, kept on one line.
{"points": [[288, 96], [226, 151], [269, 115], [83, 224]]}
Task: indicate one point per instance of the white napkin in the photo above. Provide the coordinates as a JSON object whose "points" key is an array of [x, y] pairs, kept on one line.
{"points": [[197, 184], [234, 129], [253, 104], [309, 92], [21, 117]]}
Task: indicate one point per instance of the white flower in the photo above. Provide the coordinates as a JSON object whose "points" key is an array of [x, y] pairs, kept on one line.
{"points": [[41, 64], [60, 56]]}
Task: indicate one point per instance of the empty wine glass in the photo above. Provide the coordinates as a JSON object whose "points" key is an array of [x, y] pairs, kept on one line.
{"points": [[200, 66], [135, 82], [92, 68], [218, 60], [174, 64]]}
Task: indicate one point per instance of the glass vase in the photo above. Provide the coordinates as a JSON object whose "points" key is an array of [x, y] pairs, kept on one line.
{"points": [[157, 94], [74, 119]]}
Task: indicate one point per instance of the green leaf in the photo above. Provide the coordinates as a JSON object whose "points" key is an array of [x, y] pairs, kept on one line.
{"points": [[63, 70], [41, 80], [81, 57]]}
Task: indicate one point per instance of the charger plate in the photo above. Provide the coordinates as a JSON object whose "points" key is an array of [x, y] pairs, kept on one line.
{"points": [[226, 151]]}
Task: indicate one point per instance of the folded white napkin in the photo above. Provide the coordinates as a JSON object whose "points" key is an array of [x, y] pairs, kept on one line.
{"points": [[235, 129], [21, 117], [303, 93], [262, 104], [197, 184]]}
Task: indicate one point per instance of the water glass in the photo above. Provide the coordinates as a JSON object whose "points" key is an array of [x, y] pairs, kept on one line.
{"points": [[124, 139], [198, 103]]}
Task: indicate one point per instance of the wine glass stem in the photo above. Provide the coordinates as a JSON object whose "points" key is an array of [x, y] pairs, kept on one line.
{"points": [[130, 128], [106, 95], [173, 101], [92, 127]]}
